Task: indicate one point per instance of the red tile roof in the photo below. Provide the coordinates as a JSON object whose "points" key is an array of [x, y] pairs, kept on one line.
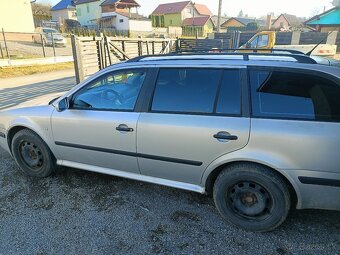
{"points": [[197, 21], [170, 8], [203, 10]]}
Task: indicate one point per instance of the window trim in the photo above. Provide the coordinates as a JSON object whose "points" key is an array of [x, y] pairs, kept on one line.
{"points": [[243, 87], [321, 74], [137, 105]]}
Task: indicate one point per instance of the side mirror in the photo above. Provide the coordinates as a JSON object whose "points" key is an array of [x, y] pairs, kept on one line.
{"points": [[63, 105]]}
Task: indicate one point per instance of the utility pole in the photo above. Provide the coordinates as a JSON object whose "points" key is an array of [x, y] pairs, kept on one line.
{"points": [[219, 16]]}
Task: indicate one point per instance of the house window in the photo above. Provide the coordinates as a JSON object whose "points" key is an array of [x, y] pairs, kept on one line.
{"points": [[171, 22], [79, 12], [121, 21], [88, 8]]}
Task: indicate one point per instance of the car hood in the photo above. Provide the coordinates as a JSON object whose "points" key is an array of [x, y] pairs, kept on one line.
{"points": [[38, 101]]}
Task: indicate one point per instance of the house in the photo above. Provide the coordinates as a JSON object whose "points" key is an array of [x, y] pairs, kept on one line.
{"points": [[241, 23], [286, 22], [198, 26], [173, 14], [16, 16], [65, 9], [117, 14], [327, 21], [89, 12]]}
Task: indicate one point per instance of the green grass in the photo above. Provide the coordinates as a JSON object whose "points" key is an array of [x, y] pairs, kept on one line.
{"points": [[8, 72]]}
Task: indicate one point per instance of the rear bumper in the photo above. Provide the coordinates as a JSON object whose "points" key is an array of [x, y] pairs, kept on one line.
{"points": [[317, 190], [3, 140]]}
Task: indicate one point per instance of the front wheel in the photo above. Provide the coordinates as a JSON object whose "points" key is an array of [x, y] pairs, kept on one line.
{"points": [[252, 197], [32, 154]]}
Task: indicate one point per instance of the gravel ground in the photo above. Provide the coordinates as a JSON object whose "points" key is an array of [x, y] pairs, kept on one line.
{"points": [[35, 50], [75, 212]]}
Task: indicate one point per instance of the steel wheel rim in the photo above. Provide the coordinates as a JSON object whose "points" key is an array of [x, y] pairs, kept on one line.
{"points": [[31, 155], [249, 200]]}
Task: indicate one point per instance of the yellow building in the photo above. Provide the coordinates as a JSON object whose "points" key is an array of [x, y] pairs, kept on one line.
{"points": [[16, 16]]}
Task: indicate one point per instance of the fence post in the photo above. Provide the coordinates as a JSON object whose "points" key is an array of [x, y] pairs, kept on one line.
{"points": [[296, 38], [2, 54], [6, 48], [53, 44], [331, 38], [76, 57], [42, 44]]}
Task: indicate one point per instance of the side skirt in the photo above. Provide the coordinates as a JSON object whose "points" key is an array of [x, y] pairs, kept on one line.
{"points": [[133, 176]]}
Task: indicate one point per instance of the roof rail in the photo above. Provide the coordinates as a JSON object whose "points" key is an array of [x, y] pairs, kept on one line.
{"points": [[254, 50], [303, 59]]}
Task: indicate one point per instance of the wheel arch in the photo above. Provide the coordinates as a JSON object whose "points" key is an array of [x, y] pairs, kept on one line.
{"points": [[209, 179], [16, 128]]}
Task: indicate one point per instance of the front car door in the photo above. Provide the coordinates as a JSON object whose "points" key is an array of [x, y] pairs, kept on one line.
{"points": [[195, 117], [99, 129]]}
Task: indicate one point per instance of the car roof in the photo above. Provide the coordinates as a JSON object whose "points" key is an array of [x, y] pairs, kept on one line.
{"points": [[229, 60]]}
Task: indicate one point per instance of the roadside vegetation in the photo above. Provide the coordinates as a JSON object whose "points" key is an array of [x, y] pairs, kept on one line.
{"points": [[8, 72]]}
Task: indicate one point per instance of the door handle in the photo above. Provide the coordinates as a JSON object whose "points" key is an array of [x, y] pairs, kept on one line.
{"points": [[225, 136], [124, 128]]}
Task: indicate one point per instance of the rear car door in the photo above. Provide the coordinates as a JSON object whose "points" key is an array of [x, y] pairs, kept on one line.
{"points": [[296, 121], [99, 129], [195, 116]]}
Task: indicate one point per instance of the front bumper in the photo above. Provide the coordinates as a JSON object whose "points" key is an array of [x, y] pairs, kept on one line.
{"points": [[3, 140]]}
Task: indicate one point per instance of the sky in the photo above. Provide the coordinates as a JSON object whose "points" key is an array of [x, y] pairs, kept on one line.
{"points": [[254, 8]]}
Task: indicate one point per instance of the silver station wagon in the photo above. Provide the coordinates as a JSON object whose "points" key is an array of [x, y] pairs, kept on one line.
{"points": [[260, 132]]}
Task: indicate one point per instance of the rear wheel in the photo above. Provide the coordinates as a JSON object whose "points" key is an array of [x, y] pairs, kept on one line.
{"points": [[32, 154], [252, 197]]}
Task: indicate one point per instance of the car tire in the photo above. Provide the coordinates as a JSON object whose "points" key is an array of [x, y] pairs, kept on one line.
{"points": [[32, 154], [252, 197]]}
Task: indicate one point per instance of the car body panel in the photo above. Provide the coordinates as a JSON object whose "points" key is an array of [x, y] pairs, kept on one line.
{"points": [[156, 133], [78, 132]]}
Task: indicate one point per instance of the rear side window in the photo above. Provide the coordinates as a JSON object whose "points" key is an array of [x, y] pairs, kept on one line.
{"points": [[279, 94], [229, 100], [186, 90]]}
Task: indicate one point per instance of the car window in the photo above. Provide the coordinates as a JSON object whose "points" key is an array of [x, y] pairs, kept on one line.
{"points": [[263, 41], [114, 91], [294, 96], [229, 100], [186, 90], [253, 43], [50, 30]]}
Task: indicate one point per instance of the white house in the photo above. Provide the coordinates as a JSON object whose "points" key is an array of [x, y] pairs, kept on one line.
{"points": [[117, 14], [65, 9]]}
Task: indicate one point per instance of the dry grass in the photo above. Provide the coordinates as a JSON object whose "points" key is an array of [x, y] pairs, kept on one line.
{"points": [[8, 72]]}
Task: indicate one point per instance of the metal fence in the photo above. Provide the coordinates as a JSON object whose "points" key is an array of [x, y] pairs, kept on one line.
{"points": [[15, 46]]}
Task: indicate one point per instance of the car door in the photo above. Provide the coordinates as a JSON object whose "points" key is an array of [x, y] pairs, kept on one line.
{"points": [[296, 115], [99, 128], [195, 117]]}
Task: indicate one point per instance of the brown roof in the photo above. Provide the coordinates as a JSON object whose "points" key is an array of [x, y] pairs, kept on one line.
{"points": [[203, 10], [134, 16], [197, 21], [292, 20], [127, 3], [170, 8]]}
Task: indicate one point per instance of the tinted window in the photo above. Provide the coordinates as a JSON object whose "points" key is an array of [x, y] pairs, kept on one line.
{"points": [[186, 90], [294, 96], [229, 101], [114, 91]]}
